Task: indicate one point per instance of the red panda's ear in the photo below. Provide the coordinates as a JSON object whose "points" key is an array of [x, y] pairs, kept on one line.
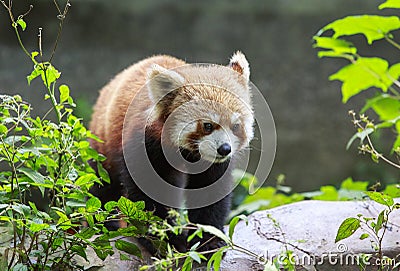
{"points": [[239, 64], [160, 81]]}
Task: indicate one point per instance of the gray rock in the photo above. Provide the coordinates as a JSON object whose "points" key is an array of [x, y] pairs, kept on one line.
{"points": [[307, 228]]}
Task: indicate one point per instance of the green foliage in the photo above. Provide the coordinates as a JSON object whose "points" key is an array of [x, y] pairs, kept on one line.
{"points": [[50, 158], [390, 4], [373, 228], [347, 228], [363, 73], [269, 197], [373, 27]]}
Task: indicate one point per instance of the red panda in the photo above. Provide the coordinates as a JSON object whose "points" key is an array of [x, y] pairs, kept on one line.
{"points": [[210, 118]]}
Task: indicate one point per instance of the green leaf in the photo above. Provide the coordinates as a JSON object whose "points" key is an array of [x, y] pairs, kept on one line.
{"points": [[47, 71], [35, 73], [93, 205], [34, 54], [361, 135], [380, 198], [36, 177], [195, 256], [126, 206], [364, 236], [364, 73], [103, 173], [187, 265], [198, 233], [347, 228], [128, 247], [33, 175], [124, 257], [50, 74], [36, 227], [102, 248], [392, 190], [3, 130], [63, 222], [349, 184], [215, 260], [390, 4], [386, 106], [234, 222], [396, 144], [373, 27], [85, 180], [129, 231], [328, 193], [110, 206], [90, 220], [86, 233], [19, 267], [379, 221], [21, 23], [394, 72], [79, 250], [334, 54], [22, 209], [64, 93], [337, 47], [216, 232]]}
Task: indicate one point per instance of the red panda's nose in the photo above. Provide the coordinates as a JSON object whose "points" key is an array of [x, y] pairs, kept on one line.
{"points": [[224, 149]]}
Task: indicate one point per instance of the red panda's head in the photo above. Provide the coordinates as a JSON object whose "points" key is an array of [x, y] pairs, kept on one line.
{"points": [[205, 109]]}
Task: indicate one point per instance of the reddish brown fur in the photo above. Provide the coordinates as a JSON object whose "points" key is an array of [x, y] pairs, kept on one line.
{"points": [[206, 90], [237, 67], [115, 97]]}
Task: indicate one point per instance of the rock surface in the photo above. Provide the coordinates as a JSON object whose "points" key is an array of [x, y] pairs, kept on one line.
{"points": [[307, 228]]}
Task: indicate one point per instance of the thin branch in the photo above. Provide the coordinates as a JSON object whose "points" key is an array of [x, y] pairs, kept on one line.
{"points": [[15, 26], [380, 155], [392, 42], [61, 16]]}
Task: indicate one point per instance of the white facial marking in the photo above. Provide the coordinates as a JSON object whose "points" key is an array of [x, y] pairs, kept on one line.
{"points": [[235, 117], [210, 143], [215, 117], [181, 132]]}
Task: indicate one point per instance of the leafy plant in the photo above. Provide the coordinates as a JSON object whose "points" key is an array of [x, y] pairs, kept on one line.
{"points": [[367, 72], [361, 74], [373, 228], [48, 160]]}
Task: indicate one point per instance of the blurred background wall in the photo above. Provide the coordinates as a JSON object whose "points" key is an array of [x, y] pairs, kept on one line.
{"points": [[101, 37]]}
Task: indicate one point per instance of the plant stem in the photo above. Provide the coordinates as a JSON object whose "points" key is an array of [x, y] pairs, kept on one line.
{"points": [[380, 155], [61, 17], [392, 42], [15, 26]]}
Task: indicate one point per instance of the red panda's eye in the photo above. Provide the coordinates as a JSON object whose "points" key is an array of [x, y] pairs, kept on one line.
{"points": [[208, 127], [235, 127]]}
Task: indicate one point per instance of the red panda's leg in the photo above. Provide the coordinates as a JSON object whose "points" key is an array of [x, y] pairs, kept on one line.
{"points": [[159, 168], [216, 213], [107, 192]]}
